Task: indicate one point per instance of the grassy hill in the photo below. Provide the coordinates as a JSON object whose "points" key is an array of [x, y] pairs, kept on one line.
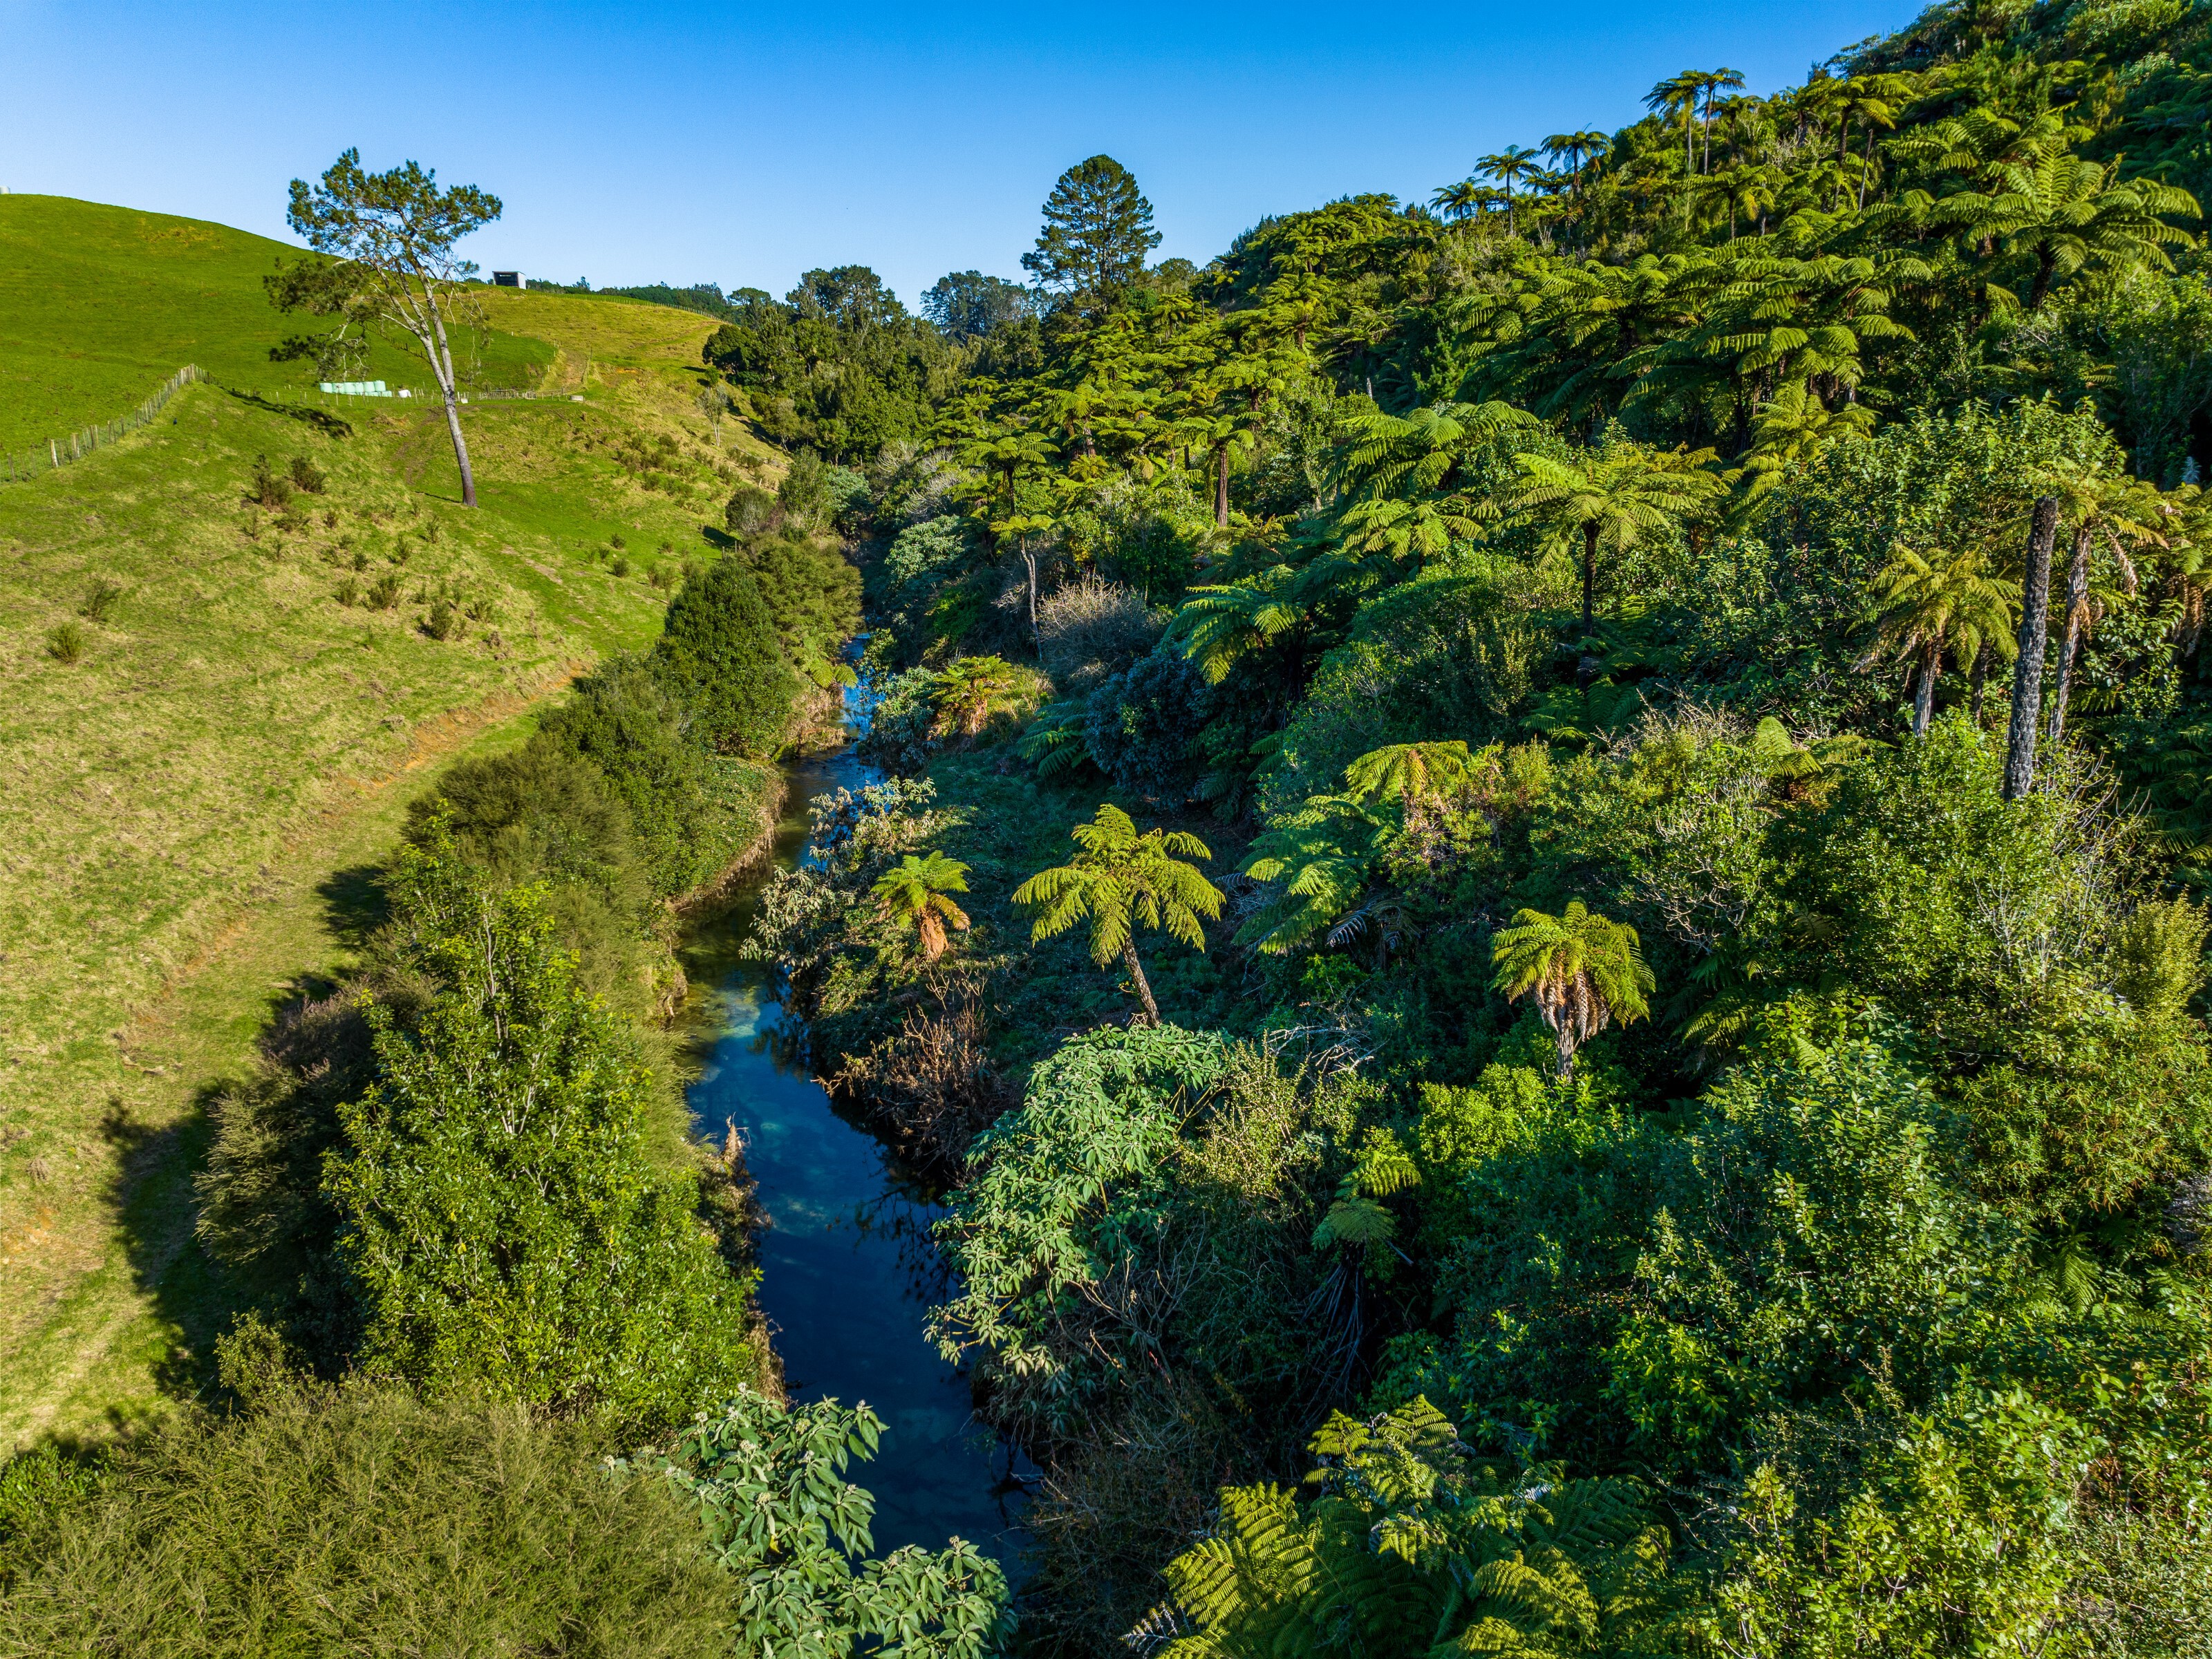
{"points": [[99, 304], [190, 766]]}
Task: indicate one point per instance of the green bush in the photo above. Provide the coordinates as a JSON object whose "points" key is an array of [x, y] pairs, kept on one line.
{"points": [[719, 654], [502, 1222], [99, 603], [66, 642], [692, 814], [360, 1520]]}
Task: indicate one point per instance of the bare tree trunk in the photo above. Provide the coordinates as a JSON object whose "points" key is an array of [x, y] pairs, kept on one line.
{"points": [[2077, 599], [441, 364], [2027, 668], [1924, 702], [1980, 681], [1028, 559], [1221, 488], [1144, 986]]}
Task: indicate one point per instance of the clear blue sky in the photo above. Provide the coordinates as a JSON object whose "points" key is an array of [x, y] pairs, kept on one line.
{"points": [[741, 143]]}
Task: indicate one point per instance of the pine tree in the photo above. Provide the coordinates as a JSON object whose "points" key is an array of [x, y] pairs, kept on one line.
{"points": [[1098, 230]]}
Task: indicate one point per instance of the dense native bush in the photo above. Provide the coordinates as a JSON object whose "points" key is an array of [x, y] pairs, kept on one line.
{"points": [[692, 814], [718, 652], [329, 1517], [504, 1143]]}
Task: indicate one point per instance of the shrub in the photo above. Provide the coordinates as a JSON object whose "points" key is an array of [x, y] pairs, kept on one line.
{"points": [[618, 566], [384, 593], [616, 543], [717, 652], [690, 815], [445, 621], [100, 600], [435, 1528], [349, 591], [1090, 629], [66, 642], [266, 487], [751, 512], [307, 478], [502, 1145], [766, 1484]]}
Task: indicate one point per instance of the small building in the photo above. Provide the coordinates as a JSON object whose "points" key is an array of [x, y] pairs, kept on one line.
{"points": [[354, 388], [507, 279]]}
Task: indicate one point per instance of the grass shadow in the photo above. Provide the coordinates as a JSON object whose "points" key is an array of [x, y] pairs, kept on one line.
{"points": [[156, 1204]]}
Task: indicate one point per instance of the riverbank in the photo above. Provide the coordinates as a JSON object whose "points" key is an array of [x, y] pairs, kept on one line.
{"points": [[848, 1267]]}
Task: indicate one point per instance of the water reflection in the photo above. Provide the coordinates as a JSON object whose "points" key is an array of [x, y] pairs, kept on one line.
{"points": [[848, 1268]]}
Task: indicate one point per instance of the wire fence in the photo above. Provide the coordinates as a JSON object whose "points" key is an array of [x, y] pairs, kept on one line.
{"points": [[317, 396], [60, 452]]}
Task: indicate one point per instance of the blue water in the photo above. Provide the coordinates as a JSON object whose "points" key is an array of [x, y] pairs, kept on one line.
{"points": [[848, 1269]]}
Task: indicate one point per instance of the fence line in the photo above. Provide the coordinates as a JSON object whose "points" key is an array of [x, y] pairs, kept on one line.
{"points": [[59, 452], [408, 396]]}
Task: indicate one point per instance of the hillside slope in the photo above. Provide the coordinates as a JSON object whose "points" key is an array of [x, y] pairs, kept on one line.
{"points": [[248, 710]]}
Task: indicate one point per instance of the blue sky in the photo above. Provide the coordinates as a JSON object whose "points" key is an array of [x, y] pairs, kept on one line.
{"points": [[743, 143]]}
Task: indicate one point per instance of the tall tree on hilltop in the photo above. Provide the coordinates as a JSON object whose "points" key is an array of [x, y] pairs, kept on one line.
{"points": [[384, 263], [1098, 230]]}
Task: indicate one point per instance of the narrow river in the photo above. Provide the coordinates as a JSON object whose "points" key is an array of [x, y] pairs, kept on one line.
{"points": [[848, 1269]]}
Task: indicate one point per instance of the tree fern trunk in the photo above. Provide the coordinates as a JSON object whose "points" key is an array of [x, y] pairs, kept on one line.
{"points": [[2077, 599], [1144, 986], [2034, 631]]}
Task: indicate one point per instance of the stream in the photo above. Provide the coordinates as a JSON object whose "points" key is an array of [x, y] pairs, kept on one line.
{"points": [[848, 1269]]}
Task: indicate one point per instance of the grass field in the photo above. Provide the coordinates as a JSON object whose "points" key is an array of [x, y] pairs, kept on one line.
{"points": [[99, 305], [190, 770]]}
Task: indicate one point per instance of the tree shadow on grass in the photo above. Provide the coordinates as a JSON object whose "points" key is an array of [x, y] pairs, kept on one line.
{"points": [[151, 1191], [355, 906], [322, 420]]}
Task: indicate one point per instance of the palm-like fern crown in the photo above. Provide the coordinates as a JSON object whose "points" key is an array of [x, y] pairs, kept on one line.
{"points": [[1123, 879], [1626, 495], [1948, 598], [1410, 1548], [1583, 969], [913, 891]]}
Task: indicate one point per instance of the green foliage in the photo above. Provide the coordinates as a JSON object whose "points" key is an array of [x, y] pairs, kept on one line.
{"points": [[501, 1148], [769, 1486], [1098, 230], [839, 366], [1410, 1547], [1098, 1121], [1958, 1543], [720, 654], [691, 813], [1812, 1233], [913, 891], [1583, 971], [363, 1518], [1120, 881]]}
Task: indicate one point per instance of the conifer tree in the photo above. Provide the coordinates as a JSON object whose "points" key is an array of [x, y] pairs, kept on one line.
{"points": [[1098, 230]]}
